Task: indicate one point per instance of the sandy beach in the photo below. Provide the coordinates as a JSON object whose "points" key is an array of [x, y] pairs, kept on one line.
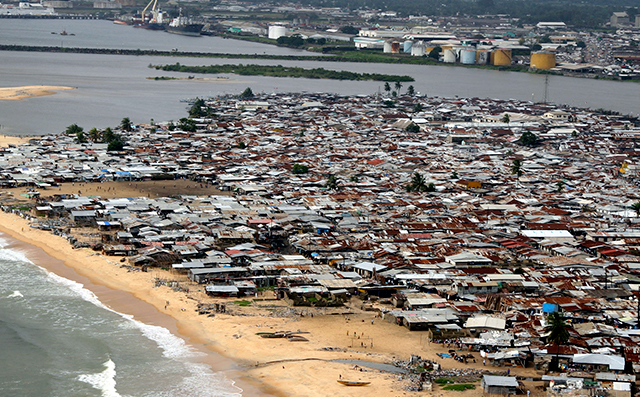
{"points": [[263, 366], [29, 91], [6, 140]]}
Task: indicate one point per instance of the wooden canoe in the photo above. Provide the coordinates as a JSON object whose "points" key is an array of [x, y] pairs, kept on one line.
{"points": [[353, 382]]}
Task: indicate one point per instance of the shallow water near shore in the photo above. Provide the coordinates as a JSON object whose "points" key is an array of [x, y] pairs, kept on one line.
{"points": [[59, 340]]}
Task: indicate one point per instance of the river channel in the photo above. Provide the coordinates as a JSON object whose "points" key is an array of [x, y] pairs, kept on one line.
{"points": [[110, 87]]}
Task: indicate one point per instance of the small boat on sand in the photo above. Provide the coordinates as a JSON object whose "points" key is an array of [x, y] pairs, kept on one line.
{"points": [[352, 382]]}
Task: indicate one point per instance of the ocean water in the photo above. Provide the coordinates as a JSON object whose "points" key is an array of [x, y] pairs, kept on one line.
{"points": [[58, 339]]}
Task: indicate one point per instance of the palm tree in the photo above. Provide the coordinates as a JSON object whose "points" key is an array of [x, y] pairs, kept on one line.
{"points": [[506, 118], [411, 91], [387, 86], [558, 331], [398, 86], [94, 135], [73, 129], [417, 184], [125, 124], [333, 183], [636, 207], [516, 167]]}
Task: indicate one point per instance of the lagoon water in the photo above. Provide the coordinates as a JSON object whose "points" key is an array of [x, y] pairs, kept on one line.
{"points": [[58, 339], [111, 87]]}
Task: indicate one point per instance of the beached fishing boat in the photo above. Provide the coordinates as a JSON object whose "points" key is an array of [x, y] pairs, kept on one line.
{"points": [[273, 335], [297, 338], [352, 382]]}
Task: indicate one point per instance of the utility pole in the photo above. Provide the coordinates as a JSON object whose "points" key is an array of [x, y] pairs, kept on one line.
{"points": [[546, 87]]}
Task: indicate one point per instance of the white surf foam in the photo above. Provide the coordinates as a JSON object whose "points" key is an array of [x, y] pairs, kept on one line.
{"points": [[16, 294], [172, 347], [11, 255], [104, 381]]}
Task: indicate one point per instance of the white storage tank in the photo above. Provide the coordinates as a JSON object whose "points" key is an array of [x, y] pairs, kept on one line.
{"points": [[418, 49], [450, 55], [387, 47], [276, 32], [468, 56], [406, 46]]}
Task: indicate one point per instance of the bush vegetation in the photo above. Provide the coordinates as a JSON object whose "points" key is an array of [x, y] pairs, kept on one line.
{"points": [[282, 71]]}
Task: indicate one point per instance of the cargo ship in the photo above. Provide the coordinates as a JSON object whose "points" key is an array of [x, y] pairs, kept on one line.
{"points": [[184, 26]]}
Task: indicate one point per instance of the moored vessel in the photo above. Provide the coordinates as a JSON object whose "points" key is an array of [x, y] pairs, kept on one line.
{"points": [[184, 26]]}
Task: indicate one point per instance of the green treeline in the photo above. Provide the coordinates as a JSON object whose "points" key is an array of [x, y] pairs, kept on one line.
{"points": [[281, 71], [340, 55]]}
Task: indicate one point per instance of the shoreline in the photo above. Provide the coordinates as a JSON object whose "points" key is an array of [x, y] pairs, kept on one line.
{"points": [[260, 367], [48, 252], [320, 57], [29, 91]]}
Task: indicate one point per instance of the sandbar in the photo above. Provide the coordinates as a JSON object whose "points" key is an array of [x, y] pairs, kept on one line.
{"points": [[29, 91]]}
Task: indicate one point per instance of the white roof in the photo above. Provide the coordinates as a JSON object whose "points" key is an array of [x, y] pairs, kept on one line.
{"points": [[486, 322], [615, 363], [507, 381], [547, 233]]}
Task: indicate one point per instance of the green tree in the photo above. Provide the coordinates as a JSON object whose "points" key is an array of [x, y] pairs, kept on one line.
{"points": [[242, 145], [506, 118], [349, 30], [94, 135], [435, 53], [354, 178], [558, 331], [413, 127], [197, 110], [528, 138], [516, 167], [559, 186], [417, 108], [387, 86], [544, 39], [247, 93], [108, 135], [411, 91], [636, 207], [115, 145], [73, 129], [398, 86], [125, 124], [332, 183], [418, 183], [80, 137], [454, 175], [299, 169], [187, 125], [389, 104]]}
